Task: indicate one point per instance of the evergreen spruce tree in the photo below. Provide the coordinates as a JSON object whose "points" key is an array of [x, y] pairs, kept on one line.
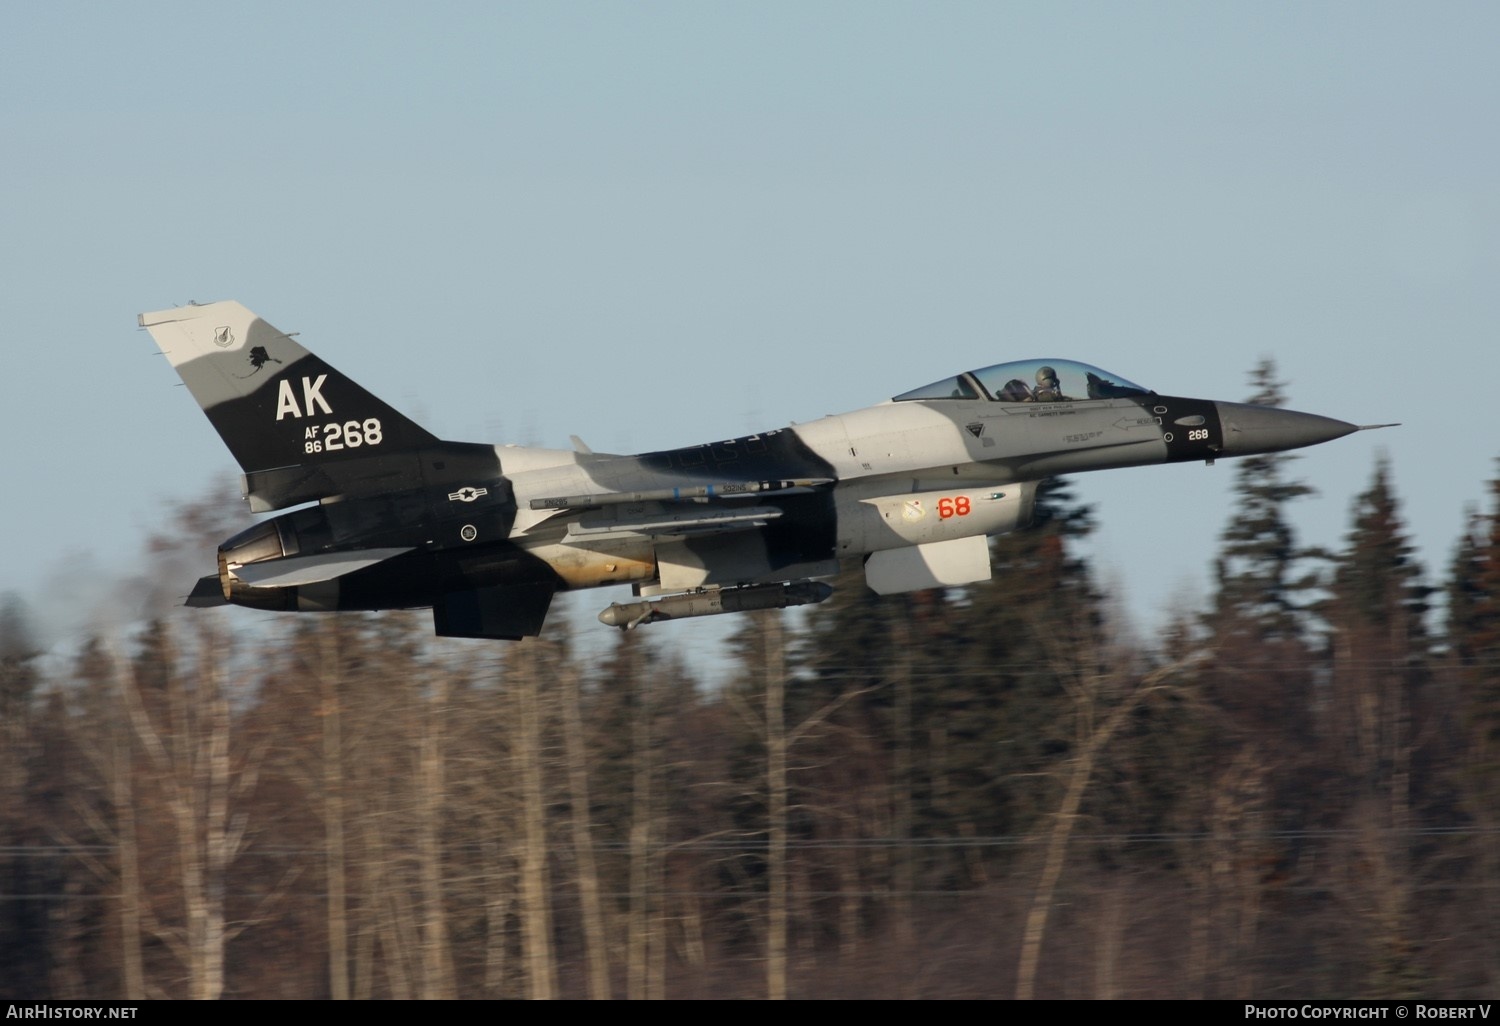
{"points": [[1380, 732], [1473, 631], [23, 914], [1261, 623], [1262, 589], [1377, 582], [1473, 637], [959, 694], [1000, 701], [1255, 778]]}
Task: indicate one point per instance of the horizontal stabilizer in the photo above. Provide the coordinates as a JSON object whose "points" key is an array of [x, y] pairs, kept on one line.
{"points": [[207, 592], [294, 571]]}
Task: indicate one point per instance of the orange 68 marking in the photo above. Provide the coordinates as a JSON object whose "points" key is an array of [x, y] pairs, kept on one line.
{"points": [[955, 507]]}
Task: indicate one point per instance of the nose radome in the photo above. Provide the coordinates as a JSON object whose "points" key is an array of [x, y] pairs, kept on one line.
{"points": [[1250, 429]]}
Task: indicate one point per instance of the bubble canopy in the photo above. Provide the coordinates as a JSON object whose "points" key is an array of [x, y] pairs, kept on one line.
{"points": [[1030, 381]]}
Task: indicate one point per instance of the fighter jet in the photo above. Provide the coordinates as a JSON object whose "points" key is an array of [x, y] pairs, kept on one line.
{"points": [[486, 535]]}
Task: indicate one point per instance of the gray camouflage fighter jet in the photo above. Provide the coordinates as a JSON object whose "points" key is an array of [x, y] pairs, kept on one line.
{"points": [[486, 535]]}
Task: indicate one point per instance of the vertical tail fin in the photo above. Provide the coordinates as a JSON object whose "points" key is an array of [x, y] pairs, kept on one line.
{"points": [[275, 404]]}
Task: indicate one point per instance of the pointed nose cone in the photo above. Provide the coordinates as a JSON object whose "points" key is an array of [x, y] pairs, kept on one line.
{"points": [[1257, 429]]}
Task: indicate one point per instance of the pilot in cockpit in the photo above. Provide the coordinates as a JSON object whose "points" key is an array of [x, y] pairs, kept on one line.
{"points": [[1048, 388], [1015, 391]]}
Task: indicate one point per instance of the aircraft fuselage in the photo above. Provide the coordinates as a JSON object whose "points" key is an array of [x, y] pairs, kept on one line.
{"points": [[487, 534]]}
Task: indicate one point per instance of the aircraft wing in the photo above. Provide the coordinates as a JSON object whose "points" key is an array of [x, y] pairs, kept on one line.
{"points": [[671, 525], [686, 493]]}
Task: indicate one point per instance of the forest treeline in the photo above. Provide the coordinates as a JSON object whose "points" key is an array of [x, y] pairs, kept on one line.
{"points": [[980, 792]]}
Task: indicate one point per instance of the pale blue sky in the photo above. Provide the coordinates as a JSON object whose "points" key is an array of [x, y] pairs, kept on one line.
{"points": [[655, 224]]}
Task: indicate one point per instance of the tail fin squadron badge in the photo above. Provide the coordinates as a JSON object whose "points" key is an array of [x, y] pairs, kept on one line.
{"points": [[223, 337]]}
